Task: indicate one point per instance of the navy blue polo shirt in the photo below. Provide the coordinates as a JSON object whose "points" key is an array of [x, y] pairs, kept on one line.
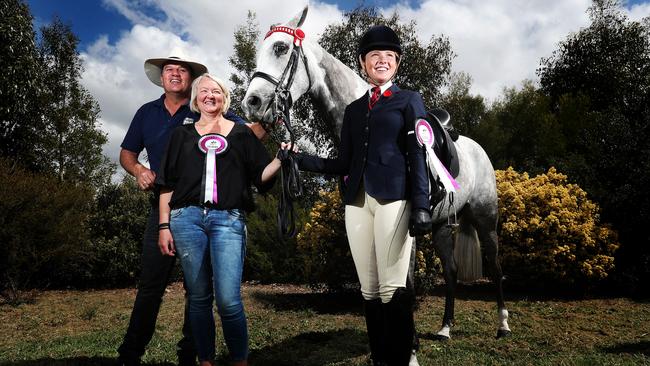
{"points": [[152, 125]]}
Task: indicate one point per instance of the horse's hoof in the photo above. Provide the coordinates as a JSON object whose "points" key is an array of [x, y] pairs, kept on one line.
{"points": [[502, 333], [440, 337]]}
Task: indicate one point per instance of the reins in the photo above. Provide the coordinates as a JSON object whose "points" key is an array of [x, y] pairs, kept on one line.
{"points": [[281, 104]]}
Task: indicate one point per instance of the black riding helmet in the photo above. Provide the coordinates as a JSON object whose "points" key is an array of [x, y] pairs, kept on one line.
{"points": [[379, 37]]}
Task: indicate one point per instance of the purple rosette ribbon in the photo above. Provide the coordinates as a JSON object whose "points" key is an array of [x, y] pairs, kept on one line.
{"points": [[212, 145], [424, 135]]}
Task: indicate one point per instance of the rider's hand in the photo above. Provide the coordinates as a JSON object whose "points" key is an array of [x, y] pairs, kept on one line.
{"points": [[419, 222]]}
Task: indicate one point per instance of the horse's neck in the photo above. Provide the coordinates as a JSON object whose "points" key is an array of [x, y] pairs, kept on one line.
{"points": [[335, 85]]}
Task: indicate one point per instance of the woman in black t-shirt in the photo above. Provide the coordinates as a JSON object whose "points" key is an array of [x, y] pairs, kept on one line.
{"points": [[205, 179]]}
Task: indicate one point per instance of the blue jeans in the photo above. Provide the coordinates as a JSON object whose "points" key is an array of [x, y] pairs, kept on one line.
{"points": [[211, 245]]}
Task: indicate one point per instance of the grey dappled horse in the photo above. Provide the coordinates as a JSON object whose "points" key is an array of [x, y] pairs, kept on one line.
{"points": [[313, 70]]}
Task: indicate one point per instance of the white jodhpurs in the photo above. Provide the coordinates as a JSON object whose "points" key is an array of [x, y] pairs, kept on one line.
{"points": [[380, 244]]}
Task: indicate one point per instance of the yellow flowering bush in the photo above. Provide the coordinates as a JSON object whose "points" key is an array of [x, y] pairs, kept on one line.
{"points": [[427, 265], [550, 232], [323, 245]]}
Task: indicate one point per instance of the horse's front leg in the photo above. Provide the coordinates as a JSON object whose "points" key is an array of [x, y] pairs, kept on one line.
{"points": [[444, 246]]}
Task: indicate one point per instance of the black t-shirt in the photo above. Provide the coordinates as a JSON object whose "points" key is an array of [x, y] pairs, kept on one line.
{"points": [[181, 169]]}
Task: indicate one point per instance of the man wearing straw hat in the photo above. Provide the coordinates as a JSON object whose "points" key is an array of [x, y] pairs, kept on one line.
{"points": [[150, 129]]}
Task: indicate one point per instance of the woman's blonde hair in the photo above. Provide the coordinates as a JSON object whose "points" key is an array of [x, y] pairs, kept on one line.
{"points": [[195, 86]]}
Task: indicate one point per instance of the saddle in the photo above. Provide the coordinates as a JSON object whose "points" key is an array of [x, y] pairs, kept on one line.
{"points": [[444, 137]]}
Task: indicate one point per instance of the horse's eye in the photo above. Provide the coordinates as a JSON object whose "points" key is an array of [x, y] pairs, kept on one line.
{"points": [[280, 48]]}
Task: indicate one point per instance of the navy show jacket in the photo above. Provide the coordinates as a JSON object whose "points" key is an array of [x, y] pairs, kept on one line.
{"points": [[376, 147]]}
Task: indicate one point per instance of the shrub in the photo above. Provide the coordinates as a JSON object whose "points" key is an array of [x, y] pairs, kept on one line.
{"points": [[270, 258], [550, 231], [118, 225], [428, 266], [323, 244], [43, 230]]}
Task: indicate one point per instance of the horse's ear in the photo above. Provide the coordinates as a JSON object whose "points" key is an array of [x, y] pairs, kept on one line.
{"points": [[298, 19]]}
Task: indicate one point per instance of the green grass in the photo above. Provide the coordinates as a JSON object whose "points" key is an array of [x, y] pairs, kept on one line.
{"points": [[291, 325]]}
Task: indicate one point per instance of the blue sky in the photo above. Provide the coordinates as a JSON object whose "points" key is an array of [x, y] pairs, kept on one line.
{"points": [[496, 44], [88, 19]]}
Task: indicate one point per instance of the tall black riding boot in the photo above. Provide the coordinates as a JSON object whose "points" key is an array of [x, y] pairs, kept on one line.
{"points": [[374, 314], [401, 327]]}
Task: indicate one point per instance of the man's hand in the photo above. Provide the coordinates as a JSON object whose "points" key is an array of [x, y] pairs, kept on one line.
{"points": [[145, 177], [258, 130]]}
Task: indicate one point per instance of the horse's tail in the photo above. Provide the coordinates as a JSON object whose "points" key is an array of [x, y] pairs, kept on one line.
{"points": [[467, 253]]}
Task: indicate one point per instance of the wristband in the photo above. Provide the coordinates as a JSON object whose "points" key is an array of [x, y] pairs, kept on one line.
{"points": [[163, 226]]}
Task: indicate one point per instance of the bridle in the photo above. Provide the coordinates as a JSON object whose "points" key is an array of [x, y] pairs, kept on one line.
{"points": [[281, 104]]}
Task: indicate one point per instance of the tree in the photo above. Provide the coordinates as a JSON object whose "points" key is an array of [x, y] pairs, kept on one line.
{"points": [[607, 66], [466, 110], [609, 62], [71, 141], [520, 131], [20, 84], [243, 60]]}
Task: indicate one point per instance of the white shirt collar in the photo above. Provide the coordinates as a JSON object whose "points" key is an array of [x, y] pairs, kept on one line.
{"points": [[382, 88]]}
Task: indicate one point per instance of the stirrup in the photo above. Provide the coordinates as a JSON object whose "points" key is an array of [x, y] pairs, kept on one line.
{"points": [[452, 220]]}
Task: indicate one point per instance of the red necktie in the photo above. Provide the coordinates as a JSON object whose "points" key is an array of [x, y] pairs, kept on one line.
{"points": [[374, 97]]}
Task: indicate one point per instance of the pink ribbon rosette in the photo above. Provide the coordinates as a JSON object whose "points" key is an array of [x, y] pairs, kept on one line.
{"points": [[212, 144]]}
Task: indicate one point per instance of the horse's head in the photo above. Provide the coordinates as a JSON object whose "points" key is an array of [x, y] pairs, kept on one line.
{"points": [[281, 69]]}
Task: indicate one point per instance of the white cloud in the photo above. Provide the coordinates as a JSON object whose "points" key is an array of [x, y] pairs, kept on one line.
{"points": [[209, 25], [497, 43], [639, 11]]}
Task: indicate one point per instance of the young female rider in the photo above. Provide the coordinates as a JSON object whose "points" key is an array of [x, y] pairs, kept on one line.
{"points": [[386, 194]]}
